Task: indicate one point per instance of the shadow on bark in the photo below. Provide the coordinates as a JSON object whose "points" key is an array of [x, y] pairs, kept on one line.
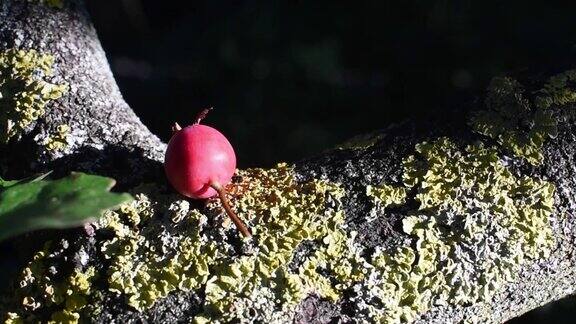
{"points": [[128, 166]]}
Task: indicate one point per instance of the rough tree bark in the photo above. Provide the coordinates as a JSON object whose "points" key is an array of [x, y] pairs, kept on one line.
{"points": [[104, 130], [106, 137]]}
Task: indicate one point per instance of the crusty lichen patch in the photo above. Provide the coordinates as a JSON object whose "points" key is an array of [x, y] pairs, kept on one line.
{"points": [[13, 318], [50, 3], [387, 195], [519, 122], [281, 214], [24, 91], [475, 225], [513, 121], [559, 90], [41, 287], [360, 142], [477, 198], [157, 244], [59, 140], [147, 265], [142, 264]]}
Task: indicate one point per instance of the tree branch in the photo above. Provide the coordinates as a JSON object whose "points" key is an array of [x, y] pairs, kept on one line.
{"points": [[454, 219], [104, 131]]}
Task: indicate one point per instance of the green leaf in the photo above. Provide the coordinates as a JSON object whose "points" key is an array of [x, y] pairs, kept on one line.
{"points": [[67, 202], [6, 183]]}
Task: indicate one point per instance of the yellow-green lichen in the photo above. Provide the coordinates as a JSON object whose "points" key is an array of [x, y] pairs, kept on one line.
{"points": [[144, 270], [147, 258], [24, 93], [559, 90], [58, 141], [483, 221], [282, 214], [360, 142], [474, 225], [42, 288], [511, 120], [13, 318], [387, 195], [64, 316], [51, 3], [475, 188]]}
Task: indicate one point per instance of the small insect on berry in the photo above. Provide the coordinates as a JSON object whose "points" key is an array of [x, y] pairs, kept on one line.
{"points": [[200, 162]]}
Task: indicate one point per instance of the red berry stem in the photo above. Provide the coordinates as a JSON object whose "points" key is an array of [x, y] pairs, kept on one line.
{"points": [[202, 115], [176, 127], [225, 203]]}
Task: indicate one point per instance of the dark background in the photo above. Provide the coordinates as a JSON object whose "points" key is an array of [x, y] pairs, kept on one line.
{"points": [[289, 79]]}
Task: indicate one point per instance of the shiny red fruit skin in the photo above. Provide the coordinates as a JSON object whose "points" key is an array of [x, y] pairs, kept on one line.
{"points": [[197, 156]]}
